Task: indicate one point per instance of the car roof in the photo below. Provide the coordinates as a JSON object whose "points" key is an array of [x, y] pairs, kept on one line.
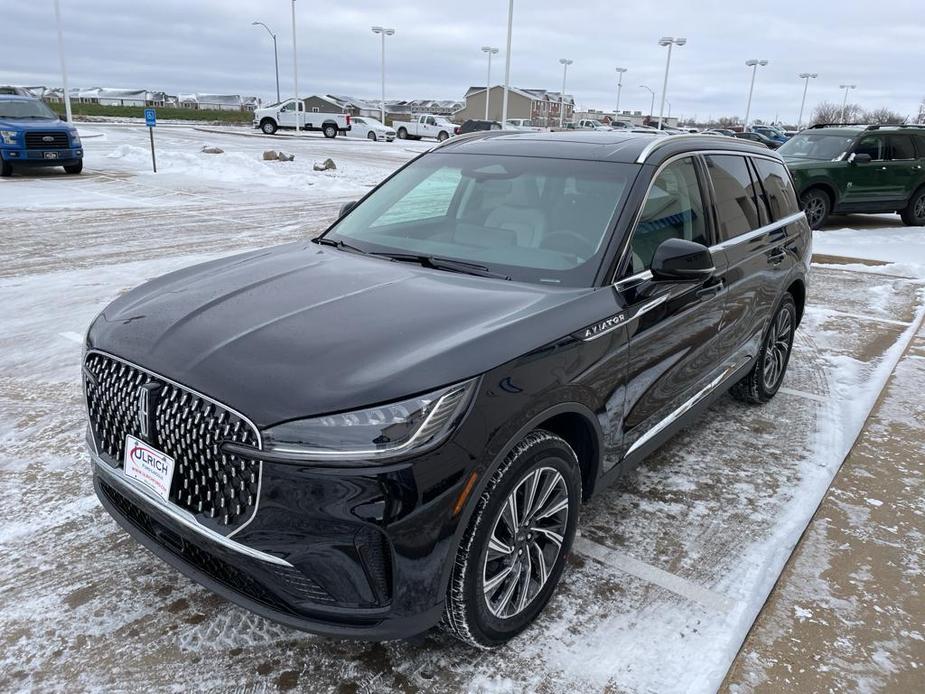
{"points": [[613, 146]]}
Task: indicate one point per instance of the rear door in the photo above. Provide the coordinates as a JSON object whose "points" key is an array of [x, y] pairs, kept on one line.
{"points": [[672, 326], [902, 167]]}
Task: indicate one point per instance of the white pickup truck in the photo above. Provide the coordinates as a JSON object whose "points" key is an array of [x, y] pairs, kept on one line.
{"points": [[283, 116], [425, 125]]}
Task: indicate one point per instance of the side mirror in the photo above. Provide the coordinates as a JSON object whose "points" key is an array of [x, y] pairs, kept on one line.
{"points": [[346, 207], [680, 260], [859, 158]]}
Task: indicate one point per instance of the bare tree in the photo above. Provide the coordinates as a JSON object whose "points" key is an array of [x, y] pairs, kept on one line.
{"points": [[921, 116], [828, 112], [882, 115]]}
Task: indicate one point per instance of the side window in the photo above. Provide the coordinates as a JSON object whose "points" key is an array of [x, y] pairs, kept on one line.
{"points": [[901, 147], [872, 145], [431, 120], [920, 146], [778, 188], [430, 199], [736, 206], [288, 107], [673, 210]]}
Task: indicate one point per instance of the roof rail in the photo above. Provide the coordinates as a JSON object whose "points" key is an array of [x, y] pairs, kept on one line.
{"points": [[877, 126], [474, 135], [659, 141], [817, 126]]}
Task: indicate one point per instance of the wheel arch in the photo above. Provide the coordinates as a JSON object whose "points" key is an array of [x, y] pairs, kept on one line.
{"points": [[268, 119], [826, 187], [797, 290]]}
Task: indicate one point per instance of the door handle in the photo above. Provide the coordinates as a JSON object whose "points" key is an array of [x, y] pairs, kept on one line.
{"points": [[776, 256], [710, 290]]}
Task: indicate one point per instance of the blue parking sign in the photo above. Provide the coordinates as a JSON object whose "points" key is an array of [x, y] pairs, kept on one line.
{"points": [[150, 117]]}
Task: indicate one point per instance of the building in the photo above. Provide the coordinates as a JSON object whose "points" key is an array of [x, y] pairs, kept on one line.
{"points": [[217, 102], [539, 105]]}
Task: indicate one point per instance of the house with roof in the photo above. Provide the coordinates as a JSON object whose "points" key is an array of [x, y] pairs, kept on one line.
{"points": [[539, 105]]}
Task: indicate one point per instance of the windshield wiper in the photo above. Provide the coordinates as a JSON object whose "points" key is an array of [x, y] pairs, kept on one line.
{"points": [[343, 245], [449, 264]]}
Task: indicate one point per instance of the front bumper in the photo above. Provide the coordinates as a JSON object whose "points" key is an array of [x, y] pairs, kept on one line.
{"points": [[42, 157]]}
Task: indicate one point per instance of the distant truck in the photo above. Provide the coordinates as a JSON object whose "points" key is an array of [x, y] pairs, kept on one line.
{"points": [[284, 116], [592, 124], [31, 134], [425, 125]]}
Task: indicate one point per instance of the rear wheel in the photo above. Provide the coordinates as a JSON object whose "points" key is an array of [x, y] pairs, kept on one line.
{"points": [[442, 136], [817, 206], [402, 134], [371, 136], [514, 550], [268, 126], [75, 168], [6, 169], [329, 130], [763, 381], [914, 214]]}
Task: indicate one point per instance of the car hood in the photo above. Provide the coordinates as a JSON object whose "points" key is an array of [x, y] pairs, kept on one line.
{"points": [[302, 329], [30, 124]]}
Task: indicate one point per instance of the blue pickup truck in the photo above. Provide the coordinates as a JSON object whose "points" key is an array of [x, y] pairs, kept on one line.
{"points": [[31, 134]]}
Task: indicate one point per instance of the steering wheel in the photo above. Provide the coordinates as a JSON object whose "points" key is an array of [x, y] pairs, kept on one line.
{"points": [[566, 241]]}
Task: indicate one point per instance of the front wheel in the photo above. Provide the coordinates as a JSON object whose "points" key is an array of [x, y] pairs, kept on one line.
{"points": [[330, 131], [914, 214], [6, 169], [268, 126], [513, 552], [75, 168], [816, 205], [371, 136], [763, 381]]}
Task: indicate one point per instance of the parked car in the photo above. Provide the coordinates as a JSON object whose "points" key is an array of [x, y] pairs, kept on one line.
{"points": [[877, 168], [425, 125], [31, 134], [592, 124], [720, 131], [370, 128], [471, 126], [758, 138], [771, 132], [291, 115], [522, 124], [397, 424]]}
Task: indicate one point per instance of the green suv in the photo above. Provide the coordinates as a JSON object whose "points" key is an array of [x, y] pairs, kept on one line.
{"points": [[854, 168]]}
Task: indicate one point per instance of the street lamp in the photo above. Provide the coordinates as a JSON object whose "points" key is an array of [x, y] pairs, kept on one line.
{"points": [[753, 64], [620, 70], [652, 106], [667, 41], [275, 55], [806, 76], [844, 102], [490, 51], [67, 96], [299, 119], [507, 60], [565, 63], [669, 109], [382, 31]]}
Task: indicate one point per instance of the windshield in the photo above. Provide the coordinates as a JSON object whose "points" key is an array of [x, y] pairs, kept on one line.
{"points": [[529, 218], [16, 109], [819, 146]]}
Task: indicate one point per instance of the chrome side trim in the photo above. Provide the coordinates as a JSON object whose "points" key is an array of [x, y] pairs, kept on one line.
{"points": [[243, 417], [684, 408], [755, 233], [139, 492], [661, 141]]}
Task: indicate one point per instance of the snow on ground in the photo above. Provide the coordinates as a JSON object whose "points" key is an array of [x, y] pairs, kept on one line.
{"points": [[881, 237], [673, 563]]}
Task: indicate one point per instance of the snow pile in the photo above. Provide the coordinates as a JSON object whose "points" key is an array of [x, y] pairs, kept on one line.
{"points": [[901, 247]]}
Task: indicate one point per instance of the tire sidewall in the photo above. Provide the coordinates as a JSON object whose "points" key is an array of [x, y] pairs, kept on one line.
{"points": [[268, 127], [549, 451], [402, 134], [912, 220], [330, 131], [371, 136], [786, 304], [816, 193]]}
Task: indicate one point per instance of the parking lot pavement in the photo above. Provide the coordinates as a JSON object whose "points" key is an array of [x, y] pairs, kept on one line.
{"points": [[671, 568], [847, 613]]}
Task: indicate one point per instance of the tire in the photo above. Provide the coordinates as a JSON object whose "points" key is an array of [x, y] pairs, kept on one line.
{"points": [[914, 214], [371, 136], [329, 130], [75, 168], [6, 169], [402, 134], [817, 206], [541, 460], [765, 377], [442, 135], [268, 126]]}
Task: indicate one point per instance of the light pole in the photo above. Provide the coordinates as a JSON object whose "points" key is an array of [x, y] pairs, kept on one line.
{"points": [[620, 70], [667, 41], [753, 64], [490, 51], [652, 107], [275, 55], [844, 103], [382, 31], [565, 63], [67, 96], [806, 77], [507, 60], [295, 76], [669, 110]]}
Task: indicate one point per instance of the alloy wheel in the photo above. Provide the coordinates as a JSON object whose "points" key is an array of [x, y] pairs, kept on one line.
{"points": [[525, 542], [780, 339], [918, 209], [815, 210]]}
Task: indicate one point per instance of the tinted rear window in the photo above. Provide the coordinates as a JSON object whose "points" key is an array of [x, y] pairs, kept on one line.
{"points": [[778, 188], [901, 147], [736, 205]]}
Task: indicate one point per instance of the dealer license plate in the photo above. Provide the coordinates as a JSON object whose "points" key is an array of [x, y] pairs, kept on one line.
{"points": [[151, 467]]}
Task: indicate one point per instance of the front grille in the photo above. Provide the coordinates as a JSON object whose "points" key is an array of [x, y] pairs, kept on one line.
{"points": [[219, 570], [51, 139], [218, 488]]}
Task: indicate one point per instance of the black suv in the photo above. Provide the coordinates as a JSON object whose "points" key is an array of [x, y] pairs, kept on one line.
{"points": [[395, 424], [855, 168]]}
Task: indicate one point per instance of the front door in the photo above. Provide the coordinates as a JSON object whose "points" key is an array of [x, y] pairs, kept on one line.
{"points": [[869, 182], [672, 326], [287, 115]]}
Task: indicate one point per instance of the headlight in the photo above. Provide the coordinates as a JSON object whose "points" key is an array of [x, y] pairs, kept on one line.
{"points": [[399, 428], [75, 138], [8, 137]]}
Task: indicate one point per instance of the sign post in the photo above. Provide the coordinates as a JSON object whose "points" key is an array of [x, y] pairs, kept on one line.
{"points": [[151, 121]]}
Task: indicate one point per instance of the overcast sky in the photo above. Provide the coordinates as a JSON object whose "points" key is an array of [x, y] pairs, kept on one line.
{"points": [[210, 46]]}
